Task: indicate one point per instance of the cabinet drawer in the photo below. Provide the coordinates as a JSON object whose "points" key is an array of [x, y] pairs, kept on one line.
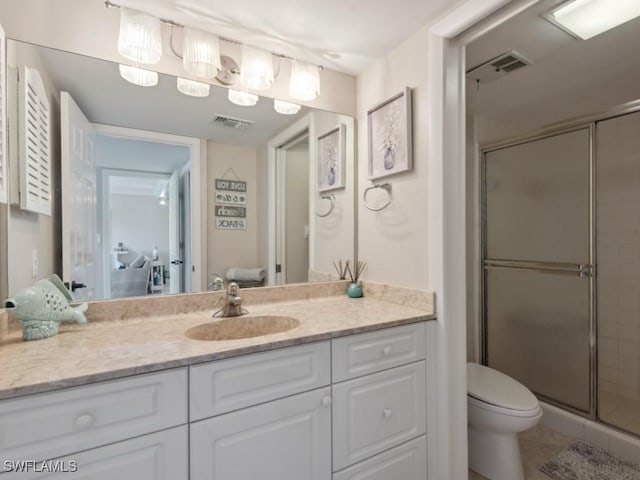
{"points": [[358, 355], [377, 412], [406, 462], [227, 385], [157, 456], [287, 439], [49, 425]]}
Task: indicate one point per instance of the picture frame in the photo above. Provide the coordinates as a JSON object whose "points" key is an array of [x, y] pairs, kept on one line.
{"points": [[331, 159], [390, 136]]}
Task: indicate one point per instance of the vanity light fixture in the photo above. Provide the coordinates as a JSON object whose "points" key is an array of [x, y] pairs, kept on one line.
{"points": [[305, 81], [139, 39], [286, 108], [138, 76], [244, 99], [193, 88], [587, 18], [256, 68], [201, 53]]}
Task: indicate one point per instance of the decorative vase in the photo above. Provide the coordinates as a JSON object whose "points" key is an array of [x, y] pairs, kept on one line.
{"points": [[331, 177], [354, 290], [389, 158]]}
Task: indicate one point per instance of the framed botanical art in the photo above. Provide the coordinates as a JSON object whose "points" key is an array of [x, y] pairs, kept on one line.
{"points": [[331, 153], [390, 143]]}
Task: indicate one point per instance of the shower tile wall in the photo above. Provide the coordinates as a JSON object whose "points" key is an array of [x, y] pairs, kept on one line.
{"points": [[618, 269]]}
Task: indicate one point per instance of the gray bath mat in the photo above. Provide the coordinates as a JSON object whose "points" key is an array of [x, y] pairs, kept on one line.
{"points": [[581, 461]]}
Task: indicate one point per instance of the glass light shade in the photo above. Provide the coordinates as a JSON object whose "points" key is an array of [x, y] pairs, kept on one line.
{"points": [[193, 88], [256, 68], [139, 76], [588, 18], [305, 81], [201, 53], [139, 39], [244, 99], [286, 108]]}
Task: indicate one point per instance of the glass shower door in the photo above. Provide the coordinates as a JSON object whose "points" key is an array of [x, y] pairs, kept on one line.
{"points": [[538, 265]]}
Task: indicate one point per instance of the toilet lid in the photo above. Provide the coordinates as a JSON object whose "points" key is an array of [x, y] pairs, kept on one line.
{"points": [[490, 386]]}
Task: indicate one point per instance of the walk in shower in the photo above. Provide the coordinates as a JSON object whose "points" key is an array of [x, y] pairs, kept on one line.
{"points": [[561, 265]]}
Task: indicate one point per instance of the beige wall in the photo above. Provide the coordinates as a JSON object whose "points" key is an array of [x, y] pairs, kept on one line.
{"points": [[232, 248], [88, 28], [393, 241], [31, 231]]}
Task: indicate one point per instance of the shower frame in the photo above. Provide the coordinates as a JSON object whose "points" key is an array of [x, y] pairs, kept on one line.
{"points": [[586, 122]]}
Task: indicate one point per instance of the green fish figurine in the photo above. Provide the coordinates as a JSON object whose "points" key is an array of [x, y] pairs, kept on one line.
{"points": [[41, 307]]}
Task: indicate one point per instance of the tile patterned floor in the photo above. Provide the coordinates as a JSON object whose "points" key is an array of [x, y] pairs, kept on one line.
{"points": [[537, 446]]}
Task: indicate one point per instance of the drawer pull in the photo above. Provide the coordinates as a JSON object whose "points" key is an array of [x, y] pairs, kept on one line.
{"points": [[386, 351], [326, 401], [387, 413], [83, 421]]}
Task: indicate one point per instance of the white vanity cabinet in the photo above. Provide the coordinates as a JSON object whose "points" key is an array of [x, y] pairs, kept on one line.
{"points": [[349, 408]]}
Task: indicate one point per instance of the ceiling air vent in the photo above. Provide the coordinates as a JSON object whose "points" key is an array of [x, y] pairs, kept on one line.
{"points": [[231, 122], [498, 67]]}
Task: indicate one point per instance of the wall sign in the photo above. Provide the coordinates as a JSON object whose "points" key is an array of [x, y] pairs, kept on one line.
{"points": [[230, 211], [231, 185], [231, 223], [229, 194], [231, 198]]}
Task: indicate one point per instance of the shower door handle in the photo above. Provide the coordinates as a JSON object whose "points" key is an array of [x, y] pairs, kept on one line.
{"points": [[583, 270]]}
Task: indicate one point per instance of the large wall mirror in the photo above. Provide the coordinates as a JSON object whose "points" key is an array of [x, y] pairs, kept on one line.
{"points": [[158, 192]]}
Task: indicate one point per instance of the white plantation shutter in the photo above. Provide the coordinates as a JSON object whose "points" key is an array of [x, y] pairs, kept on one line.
{"points": [[34, 143], [4, 162]]}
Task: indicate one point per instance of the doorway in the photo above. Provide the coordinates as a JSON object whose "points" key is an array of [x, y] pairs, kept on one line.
{"points": [[144, 211]]}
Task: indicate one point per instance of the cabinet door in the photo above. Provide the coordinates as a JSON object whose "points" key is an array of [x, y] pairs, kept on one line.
{"points": [[377, 412], [406, 462], [287, 439], [158, 456]]}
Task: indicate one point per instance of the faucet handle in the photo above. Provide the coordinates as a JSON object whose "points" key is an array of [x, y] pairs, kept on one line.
{"points": [[232, 288]]}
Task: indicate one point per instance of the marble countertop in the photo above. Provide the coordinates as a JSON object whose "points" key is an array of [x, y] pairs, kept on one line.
{"points": [[111, 349]]}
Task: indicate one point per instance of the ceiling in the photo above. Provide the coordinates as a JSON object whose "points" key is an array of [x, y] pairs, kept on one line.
{"points": [[346, 35], [569, 78]]}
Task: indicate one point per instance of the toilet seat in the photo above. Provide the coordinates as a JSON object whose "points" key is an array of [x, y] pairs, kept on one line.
{"points": [[497, 392], [472, 401]]}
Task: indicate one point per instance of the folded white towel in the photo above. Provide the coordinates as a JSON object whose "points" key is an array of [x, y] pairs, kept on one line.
{"points": [[245, 275]]}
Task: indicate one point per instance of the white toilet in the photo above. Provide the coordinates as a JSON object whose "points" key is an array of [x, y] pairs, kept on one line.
{"points": [[498, 408]]}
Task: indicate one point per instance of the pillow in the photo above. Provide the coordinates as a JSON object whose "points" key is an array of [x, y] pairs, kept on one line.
{"points": [[138, 262]]}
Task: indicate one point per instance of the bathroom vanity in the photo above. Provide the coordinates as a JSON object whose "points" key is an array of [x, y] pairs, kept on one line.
{"points": [[342, 396]]}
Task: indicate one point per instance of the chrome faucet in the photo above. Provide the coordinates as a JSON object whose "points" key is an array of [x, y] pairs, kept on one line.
{"points": [[232, 304]]}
